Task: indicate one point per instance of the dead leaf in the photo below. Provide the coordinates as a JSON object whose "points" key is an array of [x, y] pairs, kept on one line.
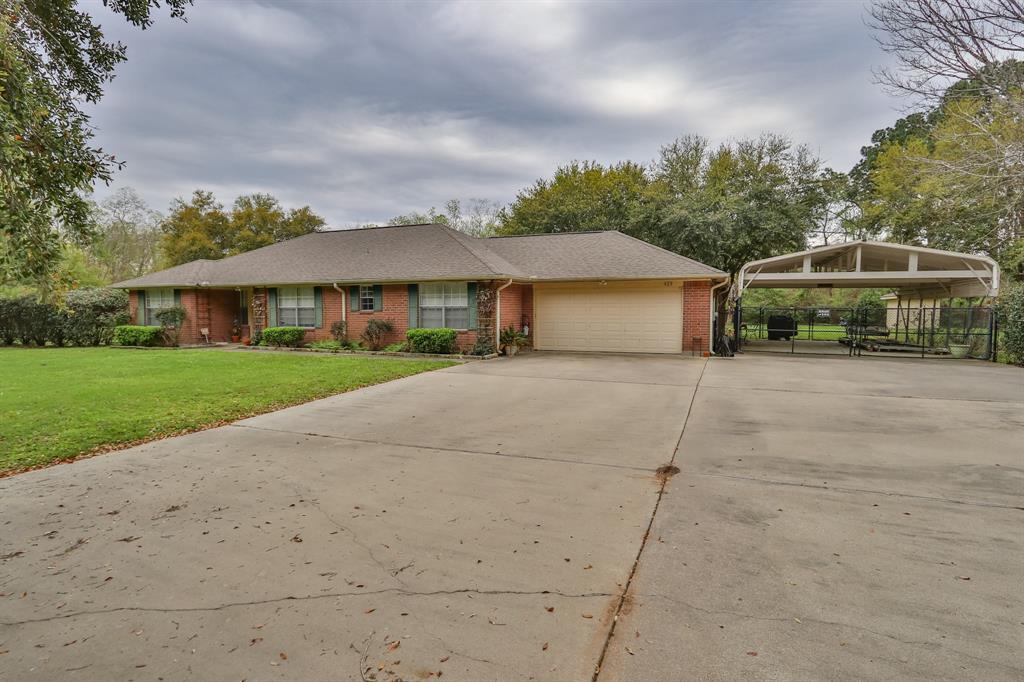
{"points": [[445, 659], [963, 577], [296, 538], [394, 645], [549, 609], [587, 567], [545, 647], [630, 651], [588, 615], [283, 655], [255, 640], [751, 653], [369, 610]]}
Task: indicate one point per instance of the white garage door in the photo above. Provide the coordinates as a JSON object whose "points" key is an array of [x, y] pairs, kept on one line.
{"points": [[614, 317]]}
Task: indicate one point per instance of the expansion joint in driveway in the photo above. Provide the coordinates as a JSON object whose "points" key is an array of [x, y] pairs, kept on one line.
{"points": [[650, 524]]}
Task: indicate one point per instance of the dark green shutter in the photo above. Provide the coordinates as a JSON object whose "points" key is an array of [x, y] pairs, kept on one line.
{"points": [[353, 299], [378, 298], [318, 304], [177, 298], [414, 306], [140, 311], [471, 302], [271, 307]]}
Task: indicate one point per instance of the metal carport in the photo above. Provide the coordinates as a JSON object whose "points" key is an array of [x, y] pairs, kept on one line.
{"points": [[919, 277]]}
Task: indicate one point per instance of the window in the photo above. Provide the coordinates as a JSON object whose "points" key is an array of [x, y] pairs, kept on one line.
{"points": [[157, 300], [296, 307], [366, 297], [444, 304]]}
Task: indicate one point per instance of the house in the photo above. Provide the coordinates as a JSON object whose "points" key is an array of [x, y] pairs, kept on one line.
{"points": [[585, 291]]}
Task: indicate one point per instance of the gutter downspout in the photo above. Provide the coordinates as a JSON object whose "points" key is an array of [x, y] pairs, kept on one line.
{"points": [[723, 283], [497, 313], [344, 304]]}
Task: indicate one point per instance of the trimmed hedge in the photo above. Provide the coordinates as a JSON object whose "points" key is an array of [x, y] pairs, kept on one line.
{"points": [[138, 335], [1010, 308], [85, 317], [441, 340], [284, 336]]}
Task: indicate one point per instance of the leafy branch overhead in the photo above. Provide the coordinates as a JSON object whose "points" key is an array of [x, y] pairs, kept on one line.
{"points": [[53, 60]]}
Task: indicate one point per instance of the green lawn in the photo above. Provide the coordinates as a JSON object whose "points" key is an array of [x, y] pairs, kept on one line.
{"points": [[58, 403]]}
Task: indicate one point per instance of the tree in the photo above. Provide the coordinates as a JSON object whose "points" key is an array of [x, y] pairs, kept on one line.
{"points": [[259, 220], [479, 218], [53, 62], [740, 201], [200, 228], [127, 236], [580, 197], [195, 229]]}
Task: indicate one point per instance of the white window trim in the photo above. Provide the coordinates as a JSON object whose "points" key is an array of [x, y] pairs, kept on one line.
{"points": [[157, 300], [296, 307], [363, 297], [444, 307]]}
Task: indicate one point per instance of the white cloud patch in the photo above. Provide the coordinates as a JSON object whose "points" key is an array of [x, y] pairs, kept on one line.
{"points": [[365, 111]]}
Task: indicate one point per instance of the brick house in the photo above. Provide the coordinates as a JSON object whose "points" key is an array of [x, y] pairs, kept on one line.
{"points": [[586, 291]]}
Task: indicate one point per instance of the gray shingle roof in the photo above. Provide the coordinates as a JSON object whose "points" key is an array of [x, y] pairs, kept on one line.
{"points": [[431, 252]]}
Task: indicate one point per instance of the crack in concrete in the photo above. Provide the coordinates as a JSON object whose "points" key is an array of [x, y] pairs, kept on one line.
{"points": [[418, 446], [841, 489], [310, 597], [819, 621], [647, 532]]}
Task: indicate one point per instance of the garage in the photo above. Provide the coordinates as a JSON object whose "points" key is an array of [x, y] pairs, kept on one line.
{"points": [[629, 317]]}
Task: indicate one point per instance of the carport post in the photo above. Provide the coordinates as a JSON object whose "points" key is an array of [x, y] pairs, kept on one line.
{"points": [[737, 320]]}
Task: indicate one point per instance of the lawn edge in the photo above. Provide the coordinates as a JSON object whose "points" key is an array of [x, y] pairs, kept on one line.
{"points": [[125, 445]]}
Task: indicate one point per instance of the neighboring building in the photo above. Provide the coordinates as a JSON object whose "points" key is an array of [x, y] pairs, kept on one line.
{"points": [[588, 291]]}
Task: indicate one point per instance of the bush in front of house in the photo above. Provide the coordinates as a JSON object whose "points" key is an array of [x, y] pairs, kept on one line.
{"points": [[1010, 308], [376, 331], [440, 340], [172, 318], [85, 317], [138, 335], [92, 314], [339, 330], [284, 336]]}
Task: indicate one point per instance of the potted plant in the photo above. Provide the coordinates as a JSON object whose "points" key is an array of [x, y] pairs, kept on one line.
{"points": [[511, 339], [959, 348], [236, 332]]}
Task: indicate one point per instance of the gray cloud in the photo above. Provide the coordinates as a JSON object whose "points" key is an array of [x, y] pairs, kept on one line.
{"points": [[364, 111]]}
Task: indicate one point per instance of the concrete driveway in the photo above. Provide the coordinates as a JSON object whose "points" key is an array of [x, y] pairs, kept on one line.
{"points": [[482, 522]]}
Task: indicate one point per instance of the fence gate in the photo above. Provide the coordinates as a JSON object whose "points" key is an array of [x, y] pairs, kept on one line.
{"points": [[912, 332]]}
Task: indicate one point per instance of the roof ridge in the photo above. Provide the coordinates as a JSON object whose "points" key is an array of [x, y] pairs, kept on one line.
{"points": [[464, 241]]}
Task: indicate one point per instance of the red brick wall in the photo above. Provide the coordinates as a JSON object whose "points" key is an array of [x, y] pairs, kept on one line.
{"points": [[517, 306], [696, 314]]}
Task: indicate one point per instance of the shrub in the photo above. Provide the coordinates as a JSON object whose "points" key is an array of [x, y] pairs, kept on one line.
{"points": [[483, 346], [92, 314], [326, 345], [375, 332], [399, 347], [339, 330], [1010, 308], [510, 336], [284, 336], [138, 335], [256, 339], [172, 318], [440, 340]]}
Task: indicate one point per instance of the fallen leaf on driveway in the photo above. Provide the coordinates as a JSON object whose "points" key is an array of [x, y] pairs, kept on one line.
{"points": [[549, 609], [588, 615], [445, 659], [394, 645], [545, 647], [630, 651], [963, 577], [283, 655], [751, 653], [369, 610]]}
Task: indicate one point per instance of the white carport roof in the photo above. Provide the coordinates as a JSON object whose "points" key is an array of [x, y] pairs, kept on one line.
{"points": [[908, 270]]}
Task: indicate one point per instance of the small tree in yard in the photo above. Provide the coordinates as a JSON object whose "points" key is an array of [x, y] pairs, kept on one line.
{"points": [[376, 331], [171, 319]]}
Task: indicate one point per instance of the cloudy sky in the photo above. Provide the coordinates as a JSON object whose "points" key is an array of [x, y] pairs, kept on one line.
{"points": [[369, 110]]}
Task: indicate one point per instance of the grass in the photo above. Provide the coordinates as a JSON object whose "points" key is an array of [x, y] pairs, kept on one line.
{"points": [[820, 332], [60, 403]]}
